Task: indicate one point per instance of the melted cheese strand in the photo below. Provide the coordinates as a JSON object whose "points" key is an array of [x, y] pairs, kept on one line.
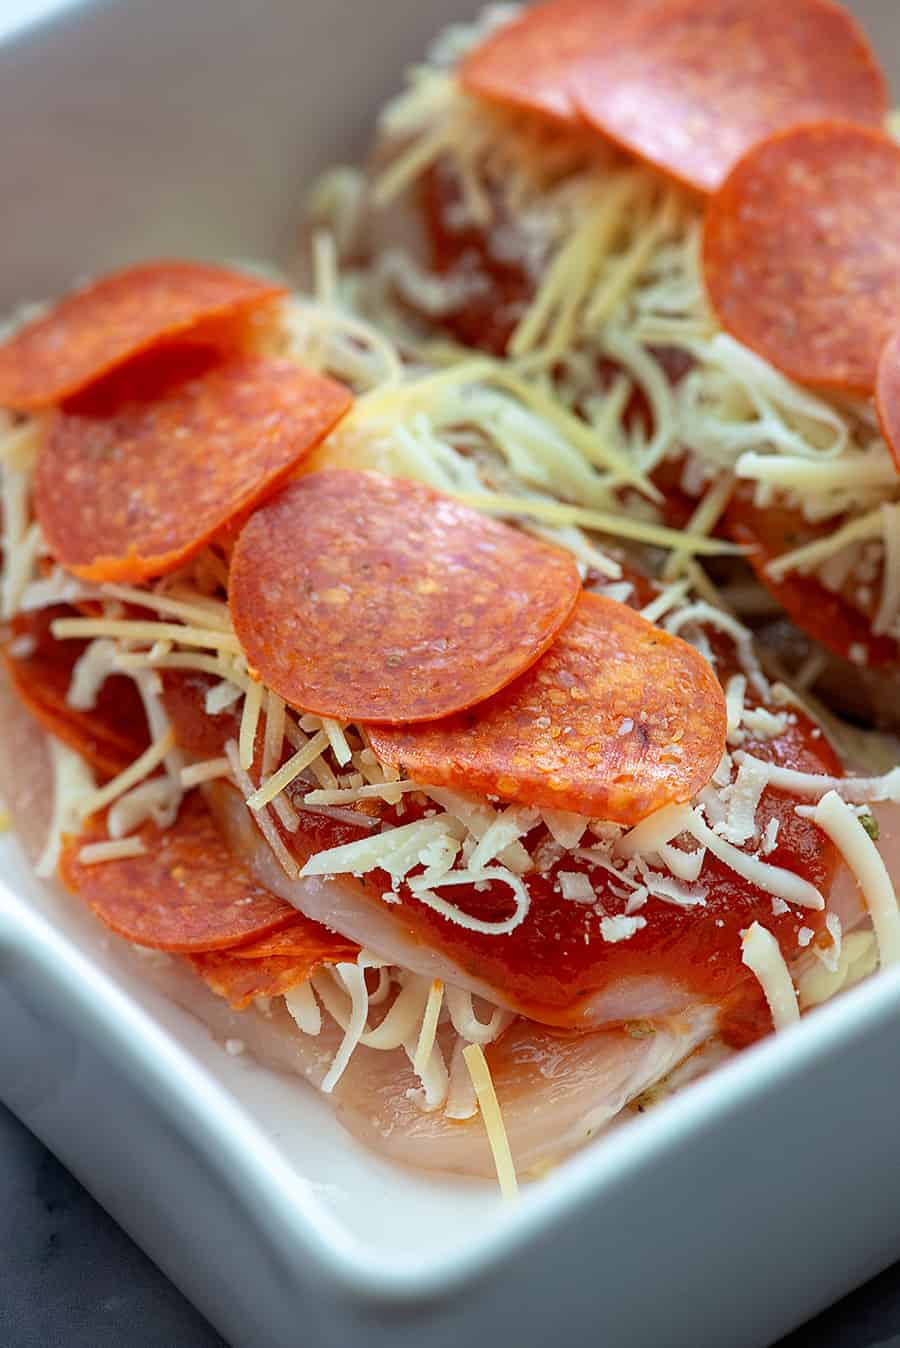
{"points": [[889, 607], [354, 980], [493, 1119], [466, 1023], [762, 955], [462, 1102]]}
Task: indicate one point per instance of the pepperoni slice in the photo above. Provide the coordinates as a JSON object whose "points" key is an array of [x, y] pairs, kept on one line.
{"points": [[240, 981], [93, 330], [833, 617], [801, 252], [138, 473], [303, 940], [529, 63], [109, 735], [689, 86], [184, 893], [369, 598], [615, 721], [887, 395]]}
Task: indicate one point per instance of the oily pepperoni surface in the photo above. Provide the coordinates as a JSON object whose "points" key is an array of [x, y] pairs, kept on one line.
{"points": [[615, 721], [836, 618], [801, 252], [109, 735], [185, 893], [370, 598], [140, 472], [690, 86], [92, 330]]}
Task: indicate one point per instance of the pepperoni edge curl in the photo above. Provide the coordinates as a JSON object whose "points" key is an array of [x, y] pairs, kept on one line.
{"points": [[94, 329], [186, 893]]}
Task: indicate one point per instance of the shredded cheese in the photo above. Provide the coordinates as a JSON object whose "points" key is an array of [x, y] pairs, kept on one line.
{"points": [[835, 818], [493, 1119], [142, 767], [92, 854], [266, 827], [206, 771], [762, 955], [73, 783], [289, 771], [425, 1042], [775, 880]]}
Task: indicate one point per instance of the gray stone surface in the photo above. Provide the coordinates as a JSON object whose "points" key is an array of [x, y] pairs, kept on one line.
{"points": [[70, 1278]]}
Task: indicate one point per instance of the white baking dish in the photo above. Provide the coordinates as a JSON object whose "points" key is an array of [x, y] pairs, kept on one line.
{"points": [[726, 1217]]}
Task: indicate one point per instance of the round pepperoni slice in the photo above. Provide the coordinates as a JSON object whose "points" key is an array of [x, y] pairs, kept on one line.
{"points": [[529, 63], [185, 892], [93, 330], [689, 86], [801, 252], [138, 473], [617, 720], [370, 598], [887, 395]]}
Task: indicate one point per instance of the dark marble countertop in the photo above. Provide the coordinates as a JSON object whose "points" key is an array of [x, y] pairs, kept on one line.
{"points": [[70, 1278]]}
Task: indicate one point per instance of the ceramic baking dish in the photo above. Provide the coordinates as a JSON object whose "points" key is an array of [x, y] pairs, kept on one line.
{"points": [[733, 1213]]}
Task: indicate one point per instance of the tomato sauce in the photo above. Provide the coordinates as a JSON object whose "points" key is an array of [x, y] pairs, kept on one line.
{"points": [[558, 955]]}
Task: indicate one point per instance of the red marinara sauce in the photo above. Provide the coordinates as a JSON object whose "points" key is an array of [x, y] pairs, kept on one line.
{"points": [[557, 957]]}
